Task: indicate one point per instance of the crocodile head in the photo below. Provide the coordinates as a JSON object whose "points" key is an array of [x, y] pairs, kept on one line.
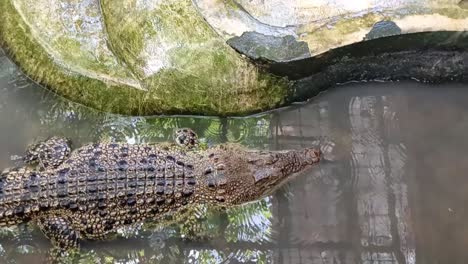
{"points": [[244, 175]]}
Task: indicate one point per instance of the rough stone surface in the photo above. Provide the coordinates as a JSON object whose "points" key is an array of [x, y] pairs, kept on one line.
{"points": [[463, 4], [258, 46], [383, 29], [145, 57], [135, 57], [330, 24]]}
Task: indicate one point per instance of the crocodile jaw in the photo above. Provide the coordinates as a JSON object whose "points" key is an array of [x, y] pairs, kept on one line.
{"points": [[267, 171]]}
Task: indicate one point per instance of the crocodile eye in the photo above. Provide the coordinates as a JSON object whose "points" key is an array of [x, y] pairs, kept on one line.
{"points": [[181, 139]]}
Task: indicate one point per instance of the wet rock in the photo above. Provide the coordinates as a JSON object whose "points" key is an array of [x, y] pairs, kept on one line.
{"points": [[182, 57], [138, 57], [383, 29], [259, 46], [326, 25]]}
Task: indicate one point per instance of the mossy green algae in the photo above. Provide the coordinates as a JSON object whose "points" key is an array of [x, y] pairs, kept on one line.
{"points": [[205, 77]]}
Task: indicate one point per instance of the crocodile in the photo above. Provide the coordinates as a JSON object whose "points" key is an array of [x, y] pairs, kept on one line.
{"points": [[90, 192]]}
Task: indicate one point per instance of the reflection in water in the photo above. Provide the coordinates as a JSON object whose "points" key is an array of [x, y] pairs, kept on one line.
{"points": [[394, 192]]}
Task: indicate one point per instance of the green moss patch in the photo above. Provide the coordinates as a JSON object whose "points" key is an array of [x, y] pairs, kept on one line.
{"points": [[198, 73], [15, 35]]}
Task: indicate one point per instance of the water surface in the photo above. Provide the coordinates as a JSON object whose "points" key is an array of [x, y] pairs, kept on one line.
{"points": [[396, 192]]}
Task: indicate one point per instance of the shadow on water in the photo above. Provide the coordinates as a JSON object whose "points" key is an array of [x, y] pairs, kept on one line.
{"points": [[395, 193]]}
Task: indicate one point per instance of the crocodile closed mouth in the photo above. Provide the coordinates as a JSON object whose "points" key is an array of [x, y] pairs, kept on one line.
{"points": [[94, 190]]}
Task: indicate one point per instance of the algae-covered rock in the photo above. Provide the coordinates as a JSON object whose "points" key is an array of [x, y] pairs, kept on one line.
{"points": [[383, 29], [463, 4], [328, 24], [146, 57], [134, 57], [259, 46]]}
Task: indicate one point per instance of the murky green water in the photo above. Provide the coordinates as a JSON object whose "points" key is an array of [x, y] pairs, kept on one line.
{"points": [[396, 193]]}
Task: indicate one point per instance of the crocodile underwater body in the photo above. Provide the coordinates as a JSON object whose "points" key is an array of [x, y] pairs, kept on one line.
{"points": [[92, 191]]}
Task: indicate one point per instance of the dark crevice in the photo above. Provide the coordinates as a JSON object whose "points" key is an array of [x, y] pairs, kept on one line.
{"points": [[425, 57]]}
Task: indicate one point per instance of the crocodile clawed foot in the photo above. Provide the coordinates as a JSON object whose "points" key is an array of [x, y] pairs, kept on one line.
{"points": [[59, 231], [186, 138], [48, 154]]}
